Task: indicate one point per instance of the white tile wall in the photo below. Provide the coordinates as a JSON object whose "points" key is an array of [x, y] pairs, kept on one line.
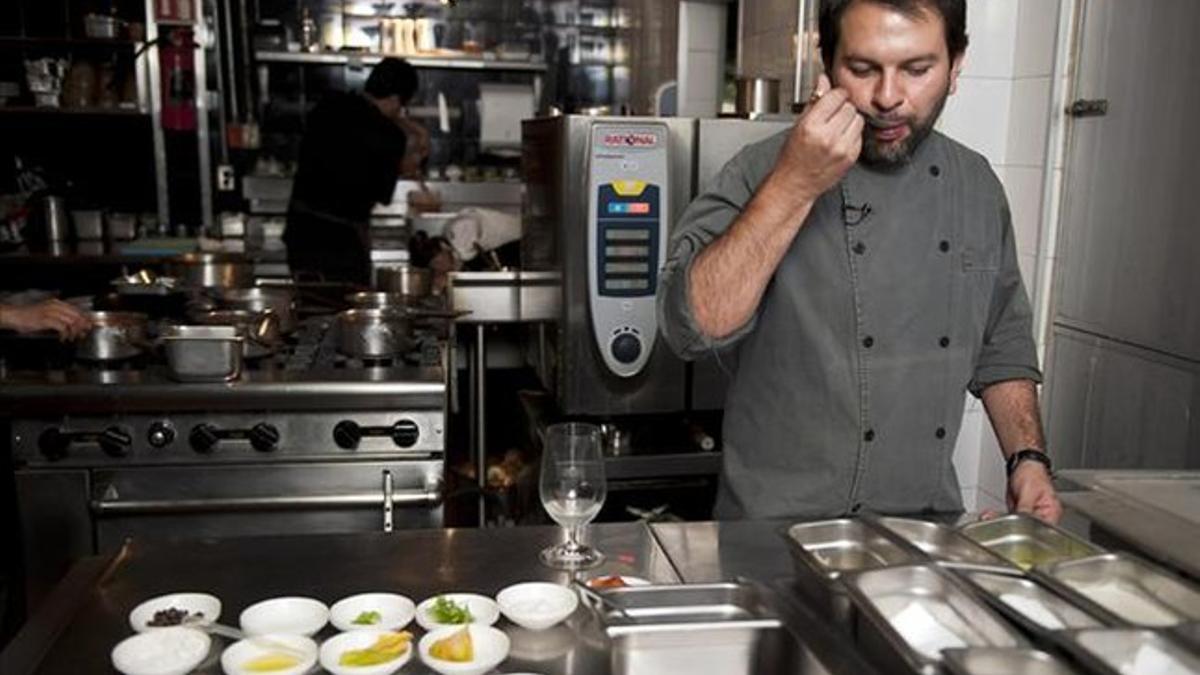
{"points": [[978, 116], [992, 32], [1037, 28], [1029, 121], [1023, 186]]}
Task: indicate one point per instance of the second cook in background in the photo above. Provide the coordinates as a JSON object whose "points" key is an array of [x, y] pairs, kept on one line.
{"points": [[355, 146], [863, 266]]}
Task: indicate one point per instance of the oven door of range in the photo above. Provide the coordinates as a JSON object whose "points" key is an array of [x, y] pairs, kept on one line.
{"points": [[170, 503]]}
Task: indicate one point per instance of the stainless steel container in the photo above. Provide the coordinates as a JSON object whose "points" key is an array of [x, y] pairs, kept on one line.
{"points": [[259, 330], [212, 270], [824, 551], [279, 301], [88, 224], [1030, 604], [912, 613], [407, 280], [122, 226], [1026, 541], [1125, 590], [55, 215], [757, 96], [696, 628], [1000, 661], [942, 543], [373, 333], [1115, 651], [377, 300], [114, 336], [203, 353]]}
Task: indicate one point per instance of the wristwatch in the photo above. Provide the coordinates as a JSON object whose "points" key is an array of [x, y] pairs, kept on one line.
{"points": [[1031, 454]]}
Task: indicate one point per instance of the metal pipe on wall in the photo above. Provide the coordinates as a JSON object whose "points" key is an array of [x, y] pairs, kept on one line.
{"points": [[808, 54]]}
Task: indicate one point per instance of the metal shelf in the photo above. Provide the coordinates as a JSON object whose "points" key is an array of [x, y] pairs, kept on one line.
{"points": [[31, 42], [369, 59], [91, 110]]}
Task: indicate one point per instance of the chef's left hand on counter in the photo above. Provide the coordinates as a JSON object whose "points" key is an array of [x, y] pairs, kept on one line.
{"points": [[1031, 491], [65, 319]]}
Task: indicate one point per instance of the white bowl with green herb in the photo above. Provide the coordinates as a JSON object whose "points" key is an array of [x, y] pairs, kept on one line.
{"points": [[372, 611], [457, 609]]}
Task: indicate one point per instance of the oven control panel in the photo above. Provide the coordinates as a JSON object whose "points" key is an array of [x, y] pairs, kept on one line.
{"points": [[627, 238], [192, 438]]}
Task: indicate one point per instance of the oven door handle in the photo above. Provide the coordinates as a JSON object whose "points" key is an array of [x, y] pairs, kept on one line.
{"points": [[428, 497]]}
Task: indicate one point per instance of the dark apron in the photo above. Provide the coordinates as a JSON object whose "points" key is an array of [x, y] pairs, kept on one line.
{"points": [[325, 247]]}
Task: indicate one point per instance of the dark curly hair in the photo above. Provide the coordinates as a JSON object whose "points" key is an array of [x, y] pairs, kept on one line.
{"points": [[392, 77], [953, 13]]}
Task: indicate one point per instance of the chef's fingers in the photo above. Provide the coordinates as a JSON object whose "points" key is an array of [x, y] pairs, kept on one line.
{"points": [[989, 514], [1048, 508], [829, 105], [823, 86], [842, 119]]}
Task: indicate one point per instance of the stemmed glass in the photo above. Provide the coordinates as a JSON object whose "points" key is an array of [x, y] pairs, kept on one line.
{"points": [[572, 488]]}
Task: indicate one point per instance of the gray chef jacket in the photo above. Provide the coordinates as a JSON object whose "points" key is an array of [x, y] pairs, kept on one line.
{"points": [[900, 292]]}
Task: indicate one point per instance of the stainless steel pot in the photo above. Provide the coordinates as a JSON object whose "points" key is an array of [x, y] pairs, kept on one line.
{"points": [[373, 333], [203, 353], [377, 300], [406, 280], [278, 301], [212, 270], [114, 336], [259, 330], [757, 95]]}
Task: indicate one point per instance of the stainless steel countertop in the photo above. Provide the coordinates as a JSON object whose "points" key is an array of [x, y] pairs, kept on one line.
{"points": [[1156, 513], [87, 614]]}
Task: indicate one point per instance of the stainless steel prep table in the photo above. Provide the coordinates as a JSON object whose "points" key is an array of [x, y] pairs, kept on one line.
{"points": [[87, 614]]}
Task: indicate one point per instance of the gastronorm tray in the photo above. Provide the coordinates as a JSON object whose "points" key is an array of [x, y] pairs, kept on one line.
{"points": [[1125, 590], [694, 628], [1004, 661], [943, 544], [1026, 541], [824, 551], [911, 613], [1124, 651], [1030, 604]]}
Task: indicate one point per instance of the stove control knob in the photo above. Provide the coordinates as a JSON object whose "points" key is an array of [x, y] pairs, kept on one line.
{"points": [[405, 433], [204, 438], [626, 348], [160, 434], [53, 444], [115, 442], [347, 435], [264, 437]]}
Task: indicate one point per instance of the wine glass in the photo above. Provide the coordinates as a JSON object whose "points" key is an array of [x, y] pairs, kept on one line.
{"points": [[573, 488]]}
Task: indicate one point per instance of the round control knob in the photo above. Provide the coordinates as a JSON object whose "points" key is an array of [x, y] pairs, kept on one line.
{"points": [[115, 442], [53, 444], [264, 437], [347, 434], [203, 438], [626, 348], [160, 434], [405, 433]]}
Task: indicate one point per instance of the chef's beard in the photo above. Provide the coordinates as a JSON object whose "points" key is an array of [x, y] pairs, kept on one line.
{"points": [[895, 153]]}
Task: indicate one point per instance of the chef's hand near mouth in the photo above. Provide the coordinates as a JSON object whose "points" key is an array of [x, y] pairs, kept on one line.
{"points": [[55, 315], [824, 143]]}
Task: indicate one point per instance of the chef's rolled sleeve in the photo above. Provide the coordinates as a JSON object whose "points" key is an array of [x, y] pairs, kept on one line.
{"points": [[704, 220], [1008, 351]]}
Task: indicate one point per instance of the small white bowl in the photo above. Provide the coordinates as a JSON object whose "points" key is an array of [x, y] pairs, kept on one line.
{"points": [[234, 658], [484, 611], [396, 611], [191, 603], [490, 645], [290, 615], [164, 651], [331, 651], [537, 605]]}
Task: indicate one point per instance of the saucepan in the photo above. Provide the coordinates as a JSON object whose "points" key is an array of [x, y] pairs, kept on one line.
{"points": [[114, 336], [259, 330], [279, 301], [406, 280], [373, 333], [212, 270]]}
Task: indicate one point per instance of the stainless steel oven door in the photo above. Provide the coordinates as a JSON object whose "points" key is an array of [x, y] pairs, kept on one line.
{"points": [[191, 502]]}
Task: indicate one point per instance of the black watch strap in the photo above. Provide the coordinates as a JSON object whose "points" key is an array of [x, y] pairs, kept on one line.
{"points": [[1031, 454]]}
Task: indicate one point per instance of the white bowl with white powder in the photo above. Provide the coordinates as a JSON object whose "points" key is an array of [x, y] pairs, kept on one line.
{"points": [[165, 651], [537, 605]]}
